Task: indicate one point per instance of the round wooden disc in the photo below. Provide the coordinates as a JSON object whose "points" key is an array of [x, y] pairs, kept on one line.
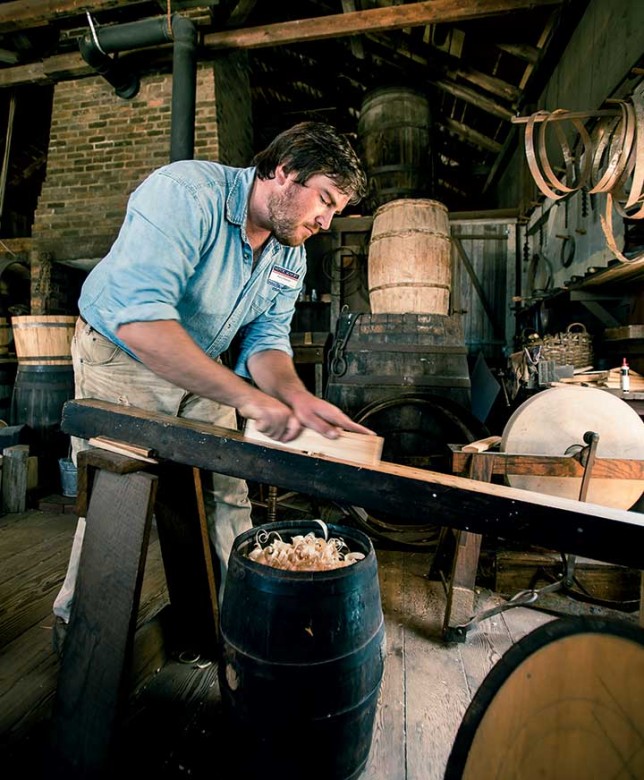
{"points": [[553, 420], [565, 702]]}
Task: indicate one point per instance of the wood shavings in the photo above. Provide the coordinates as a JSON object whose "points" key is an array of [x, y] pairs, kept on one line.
{"points": [[302, 553]]}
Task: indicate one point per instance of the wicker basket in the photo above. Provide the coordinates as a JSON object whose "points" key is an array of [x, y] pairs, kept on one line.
{"points": [[570, 347]]}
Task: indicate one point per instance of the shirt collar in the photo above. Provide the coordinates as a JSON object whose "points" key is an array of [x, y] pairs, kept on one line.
{"points": [[237, 201]]}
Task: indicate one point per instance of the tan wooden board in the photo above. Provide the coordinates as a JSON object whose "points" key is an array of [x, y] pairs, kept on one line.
{"points": [[122, 448], [349, 446]]}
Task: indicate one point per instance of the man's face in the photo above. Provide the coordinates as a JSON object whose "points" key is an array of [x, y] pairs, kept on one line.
{"points": [[298, 211]]}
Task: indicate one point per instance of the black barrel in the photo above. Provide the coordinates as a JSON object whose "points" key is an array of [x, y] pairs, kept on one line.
{"points": [[8, 368], [39, 393], [302, 660], [377, 356]]}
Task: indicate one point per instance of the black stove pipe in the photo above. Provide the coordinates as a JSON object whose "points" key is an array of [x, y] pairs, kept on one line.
{"points": [[96, 46]]}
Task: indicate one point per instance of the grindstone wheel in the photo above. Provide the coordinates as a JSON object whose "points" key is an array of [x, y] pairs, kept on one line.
{"points": [[553, 422]]}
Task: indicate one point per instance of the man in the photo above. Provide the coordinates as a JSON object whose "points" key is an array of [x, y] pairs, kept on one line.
{"points": [[206, 253]]}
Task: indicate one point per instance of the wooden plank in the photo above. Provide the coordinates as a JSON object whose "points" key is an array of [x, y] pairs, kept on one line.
{"points": [[624, 332], [595, 531], [96, 662], [22, 14], [31, 603], [387, 756], [486, 643], [436, 695], [185, 546], [359, 22], [481, 445], [506, 463], [460, 595], [14, 478], [122, 448], [354, 447], [522, 621]]}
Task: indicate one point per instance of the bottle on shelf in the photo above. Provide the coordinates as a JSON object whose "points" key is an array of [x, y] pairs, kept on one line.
{"points": [[624, 378]]}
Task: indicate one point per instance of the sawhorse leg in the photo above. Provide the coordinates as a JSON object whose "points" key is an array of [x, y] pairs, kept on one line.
{"points": [[467, 546], [94, 678], [97, 652]]}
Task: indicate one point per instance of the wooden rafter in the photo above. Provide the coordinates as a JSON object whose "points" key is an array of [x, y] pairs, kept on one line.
{"points": [[25, 14], [472, 136], [489, 83], [361, 22], [475, 98]]}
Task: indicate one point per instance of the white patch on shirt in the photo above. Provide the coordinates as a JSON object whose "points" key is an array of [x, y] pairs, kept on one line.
{"points": [[283, 277]]}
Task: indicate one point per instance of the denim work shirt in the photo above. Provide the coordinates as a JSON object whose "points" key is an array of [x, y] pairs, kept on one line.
{"points": [[182, 254]]}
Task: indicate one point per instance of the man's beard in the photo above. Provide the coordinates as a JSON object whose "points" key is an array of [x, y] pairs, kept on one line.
{"points": [[286, 224]]}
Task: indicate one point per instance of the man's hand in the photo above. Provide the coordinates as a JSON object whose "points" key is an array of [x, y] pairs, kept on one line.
{"points": [[275, 374], [272, 417], [323, 417]]}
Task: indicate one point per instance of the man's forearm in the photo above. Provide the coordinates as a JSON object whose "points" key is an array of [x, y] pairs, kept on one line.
{"points": [[274, 373], [167, 349]]}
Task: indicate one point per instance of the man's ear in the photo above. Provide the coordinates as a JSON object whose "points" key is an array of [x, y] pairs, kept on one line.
{"points": [[281, 177]]}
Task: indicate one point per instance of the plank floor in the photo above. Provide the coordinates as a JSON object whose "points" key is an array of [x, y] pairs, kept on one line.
{"points": [[175, 726]]}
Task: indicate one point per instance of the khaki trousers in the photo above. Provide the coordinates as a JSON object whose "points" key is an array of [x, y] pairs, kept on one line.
{"points": [[105, 372]]}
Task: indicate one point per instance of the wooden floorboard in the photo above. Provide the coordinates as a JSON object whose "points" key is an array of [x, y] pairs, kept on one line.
{"points": [[175, 725], [388, 746]]}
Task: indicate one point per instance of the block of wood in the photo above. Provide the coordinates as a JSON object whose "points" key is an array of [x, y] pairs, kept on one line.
{"points": [[624, 333], [349, 446], [482, 445]]}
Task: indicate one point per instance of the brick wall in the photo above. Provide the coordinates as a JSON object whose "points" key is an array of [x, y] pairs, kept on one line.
{"points": [[101, 147]]}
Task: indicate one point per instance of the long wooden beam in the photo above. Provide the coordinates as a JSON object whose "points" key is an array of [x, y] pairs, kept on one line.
{"points": [[419, 496], [394, 17], [25, 13]]}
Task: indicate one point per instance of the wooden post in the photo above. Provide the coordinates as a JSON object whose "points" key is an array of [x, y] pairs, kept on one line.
{"points": [[461, 596], [14, 478]]}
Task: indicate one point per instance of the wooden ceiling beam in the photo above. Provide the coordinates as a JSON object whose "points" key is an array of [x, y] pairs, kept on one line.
{"points": [[489, 83], [521, 50], [357, 49], [360, 22], [475, 98], [25, 14], [471, 136]]}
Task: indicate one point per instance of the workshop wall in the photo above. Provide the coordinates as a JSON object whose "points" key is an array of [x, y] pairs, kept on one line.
{"points": [[101, 147]]}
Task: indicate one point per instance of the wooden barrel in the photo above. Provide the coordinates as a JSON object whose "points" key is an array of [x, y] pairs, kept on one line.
{"points": [[39, 394], [564, 702], [409, 258], [8, 368], [6, 337], [394, 140], [303, 658], [376, 356], [43, 339]]}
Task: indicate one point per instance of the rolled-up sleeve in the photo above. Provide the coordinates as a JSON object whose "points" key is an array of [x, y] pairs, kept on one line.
{"points": [[271, 328]]}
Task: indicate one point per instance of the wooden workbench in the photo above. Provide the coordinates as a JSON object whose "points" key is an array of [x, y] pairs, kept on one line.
{"points": [[599, 532]]}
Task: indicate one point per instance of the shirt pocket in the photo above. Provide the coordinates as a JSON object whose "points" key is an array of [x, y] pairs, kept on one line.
{"points": [[263, 301]]}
